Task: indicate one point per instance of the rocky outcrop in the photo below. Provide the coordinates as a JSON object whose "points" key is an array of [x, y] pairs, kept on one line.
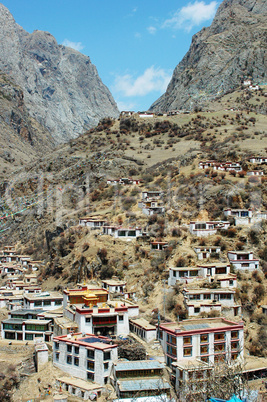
{"points": [[22, 138], [62, 89], [220, 57]]}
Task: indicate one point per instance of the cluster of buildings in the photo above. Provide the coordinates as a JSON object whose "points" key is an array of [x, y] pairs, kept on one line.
{"points": [[221, 166], [152, 203]]}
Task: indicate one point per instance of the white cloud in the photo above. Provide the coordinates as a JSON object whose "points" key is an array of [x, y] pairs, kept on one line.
{"points": [[192, 15], [74, 45], [152, 30], [125, 105], [137, 35], [152, 80]]}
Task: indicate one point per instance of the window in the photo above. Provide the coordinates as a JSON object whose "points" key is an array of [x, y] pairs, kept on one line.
{"points": [[204, 359], [90, 365], [171, 339], [197, 310], [174, 273], [87, 319], [234, 334], [231, 282], [187, 340], [207, 296], [204, 338], [219, 336], [58, 302], [73, 390], [200, 226], [69, 359], [82, 394], [47, 303], [120, 317], [90, 354], [187, 352], [76, 350], [107, 356], [56, 345], [57, 356], [105, 380], [234, 356], [219, 358], [171, 350], [28, 337], [90, 376], [235, 345], [204, 349], [76, 361], [106, 366], [69, 348], [160, 335], [219, 347], [38, 303]]}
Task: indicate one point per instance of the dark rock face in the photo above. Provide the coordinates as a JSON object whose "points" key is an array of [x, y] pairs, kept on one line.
{"points": [[221, 56], [62, 89]]}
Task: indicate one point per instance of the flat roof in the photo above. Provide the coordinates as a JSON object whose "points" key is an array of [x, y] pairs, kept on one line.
{"points": [[65, 322], [114, 282], [215, 265], [77, 382], [138, 365], [202, 291], [184, 269], [140, 384], [25, 311], [196, 324], [254, 363], [191, 364], [87, 340], [141, 322], [43, 295]]}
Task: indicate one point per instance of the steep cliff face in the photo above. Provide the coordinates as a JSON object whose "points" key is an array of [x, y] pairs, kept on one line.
{"points": [[62, 89], [22, 138], [221, 56]]}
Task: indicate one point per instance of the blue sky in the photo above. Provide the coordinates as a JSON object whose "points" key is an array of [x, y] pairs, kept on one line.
{"points": [[135, 45]]}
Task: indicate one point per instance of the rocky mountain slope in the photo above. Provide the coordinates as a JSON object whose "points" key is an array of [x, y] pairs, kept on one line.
{"points": [[62, 89], [22, 138], [220, 57]]}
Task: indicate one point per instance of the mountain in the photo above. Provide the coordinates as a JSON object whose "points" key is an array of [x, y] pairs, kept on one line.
{"points": [[22, 138], [220, 57], [62, 89]]}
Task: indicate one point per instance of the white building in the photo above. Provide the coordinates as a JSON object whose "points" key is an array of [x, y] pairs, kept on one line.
{"points": [[105, 319], [243, 260], [258, 159], [114, 285], [143, 329], [207, 339], [45, 300], [213, 272], [207, 228], [120, 232], [26, 330], [203, 252], [241, 216], [255, 173], [92, 223], [191, 376], [86, 356], [222, 295]]}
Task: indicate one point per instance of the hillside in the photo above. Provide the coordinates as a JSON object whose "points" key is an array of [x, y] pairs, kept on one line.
{"points": [[43, 202], [62, 89], [220, 57]]}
